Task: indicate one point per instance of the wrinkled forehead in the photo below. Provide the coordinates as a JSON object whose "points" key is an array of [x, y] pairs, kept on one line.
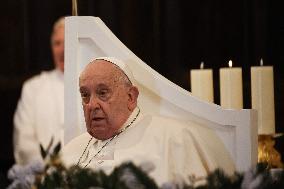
{"points": [[59, 31], [99, 71]]}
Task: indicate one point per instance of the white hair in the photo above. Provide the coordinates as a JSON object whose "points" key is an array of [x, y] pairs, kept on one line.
{"points": [[60, 22]]}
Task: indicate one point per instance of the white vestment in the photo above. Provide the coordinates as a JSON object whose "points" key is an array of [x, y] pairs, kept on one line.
{"points": [[39, 115], [176, 149]]}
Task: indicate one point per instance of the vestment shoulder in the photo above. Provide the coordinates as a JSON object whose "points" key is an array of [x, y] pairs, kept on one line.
{"points": [[38, 80], [72, 151], [78, 141]]}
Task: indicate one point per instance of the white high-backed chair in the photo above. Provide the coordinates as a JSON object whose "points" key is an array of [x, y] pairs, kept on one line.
{"points": [[88, 37]]}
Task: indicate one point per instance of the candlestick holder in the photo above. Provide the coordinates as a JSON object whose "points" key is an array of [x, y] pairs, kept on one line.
{"points": [[266, 151]]}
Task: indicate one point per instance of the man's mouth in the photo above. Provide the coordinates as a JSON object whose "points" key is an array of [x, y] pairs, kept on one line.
{"points": [[98, 118]]}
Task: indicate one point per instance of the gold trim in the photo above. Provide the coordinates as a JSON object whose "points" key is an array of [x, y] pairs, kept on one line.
{"points": [[267, 153]]}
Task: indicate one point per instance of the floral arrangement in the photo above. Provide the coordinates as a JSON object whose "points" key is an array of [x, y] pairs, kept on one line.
{"points": [[52, 173]]}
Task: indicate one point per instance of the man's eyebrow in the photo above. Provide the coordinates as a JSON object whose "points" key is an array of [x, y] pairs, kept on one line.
{"points": [[102, 85], [82, 88]]}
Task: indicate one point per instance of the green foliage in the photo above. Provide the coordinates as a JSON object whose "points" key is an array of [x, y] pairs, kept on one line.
{"points": [[45, 152], [219, 180], [128, 176], [84, 178], [56, 175]]}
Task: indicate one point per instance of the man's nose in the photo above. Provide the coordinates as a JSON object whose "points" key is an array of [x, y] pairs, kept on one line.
{"points": [[94, 103]]}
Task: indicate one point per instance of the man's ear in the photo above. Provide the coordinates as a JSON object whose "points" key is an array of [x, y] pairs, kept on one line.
{"points": [[133, 93]]}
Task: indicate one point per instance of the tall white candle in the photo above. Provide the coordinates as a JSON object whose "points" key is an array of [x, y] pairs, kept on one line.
{"points": [[201, 81], [231, 87], [262, 98]]}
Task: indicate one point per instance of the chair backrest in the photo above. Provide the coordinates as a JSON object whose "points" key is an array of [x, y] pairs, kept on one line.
{"points": [[88, 37]]}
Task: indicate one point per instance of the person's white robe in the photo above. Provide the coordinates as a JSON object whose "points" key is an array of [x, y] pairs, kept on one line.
{"points": [[176, 149], [39, 115]]}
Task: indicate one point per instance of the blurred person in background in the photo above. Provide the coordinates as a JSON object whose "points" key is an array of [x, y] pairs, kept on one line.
{"points": [[39, 116]]}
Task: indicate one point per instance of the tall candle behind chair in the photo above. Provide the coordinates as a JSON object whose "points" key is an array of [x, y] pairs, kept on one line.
{"points": [[231, 87], [262, 97], [201, 81]]}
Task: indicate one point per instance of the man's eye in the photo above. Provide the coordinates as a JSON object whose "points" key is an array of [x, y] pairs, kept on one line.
{"points": [[103, 94], [85, 97]]}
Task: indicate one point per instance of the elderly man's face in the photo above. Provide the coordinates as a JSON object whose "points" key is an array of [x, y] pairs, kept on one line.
{"points": [[107, 101]]}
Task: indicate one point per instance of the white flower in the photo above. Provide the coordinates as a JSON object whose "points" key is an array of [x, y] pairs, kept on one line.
{"points": [[130, 179], [169, 185], [24, 176]]}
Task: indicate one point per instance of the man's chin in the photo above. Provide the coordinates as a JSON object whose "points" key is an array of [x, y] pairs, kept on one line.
{"points": [[98, 133], [99, 136], [60, 65]]}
